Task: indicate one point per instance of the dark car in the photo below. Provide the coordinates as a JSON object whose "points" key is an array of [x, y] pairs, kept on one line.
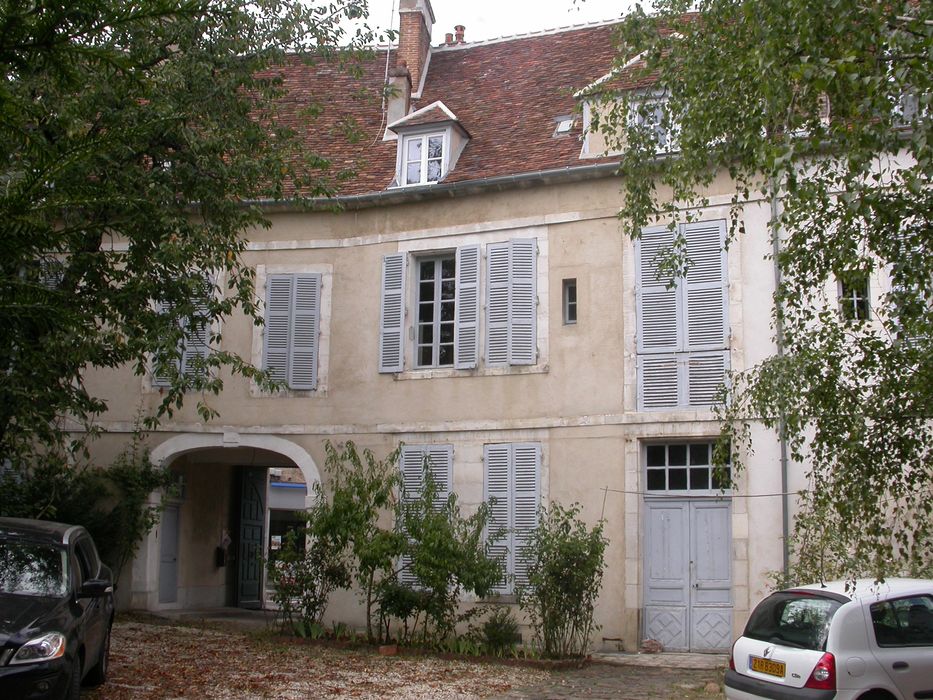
{"points": [[56, 610]]}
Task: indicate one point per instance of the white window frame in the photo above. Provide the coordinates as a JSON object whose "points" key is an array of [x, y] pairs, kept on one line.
{"points": [[403, 161], [852, 297], [687, 466], [416, 303], [569, 307], [666, 139]]}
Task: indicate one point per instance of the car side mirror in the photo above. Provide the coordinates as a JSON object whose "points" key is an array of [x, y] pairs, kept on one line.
{"points": [[95, 588]]}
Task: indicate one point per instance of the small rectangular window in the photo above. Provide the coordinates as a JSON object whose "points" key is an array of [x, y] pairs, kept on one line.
{"points": [[423, 159], [853, 296], [570, 301], [683, 467]]}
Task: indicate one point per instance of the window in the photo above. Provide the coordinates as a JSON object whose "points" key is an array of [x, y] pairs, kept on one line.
{"points": [[853, 296], [437, 282], [651, 116], [683, 467], [512, 477], [293, 317], [194, 345], [445, 317], [905, 622], [416, 459], [569, 297], [682, 324], [422, 159], [801, 621]]}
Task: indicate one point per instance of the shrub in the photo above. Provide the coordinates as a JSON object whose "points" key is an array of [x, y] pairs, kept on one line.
{"points": [[565, 572], [499, 633]]}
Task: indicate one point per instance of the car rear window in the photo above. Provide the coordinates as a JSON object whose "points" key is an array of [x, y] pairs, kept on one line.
{"points": [[31, 568], [793, 619]]}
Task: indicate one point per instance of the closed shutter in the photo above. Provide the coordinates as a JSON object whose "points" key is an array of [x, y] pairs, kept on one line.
{"points": [[656, 299], [496, 460], [278, 317], [440, 464], [466, 340], [706, 288], [523, 302], [527, 468], [306, 320], [392, 317], [658, 381], [705, 374], [497, 304], [163, 379]]}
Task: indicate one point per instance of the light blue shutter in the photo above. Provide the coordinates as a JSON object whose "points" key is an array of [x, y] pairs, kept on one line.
{"points": [[526, 462], [466, 339], [496, 462], [392, 317], [412, 479], [163, 380], [705, 374], [278, 321], [659, 381], [656, 300], [497, 304], [438, 459], [197, 333], [523, 302], [305, 326]]}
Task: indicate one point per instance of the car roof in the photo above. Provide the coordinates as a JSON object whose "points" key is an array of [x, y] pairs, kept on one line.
{"points": [[870, 589], [38, 530]]}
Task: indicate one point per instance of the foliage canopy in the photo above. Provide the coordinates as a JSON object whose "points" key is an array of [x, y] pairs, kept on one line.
{"points": [[819, 110]]}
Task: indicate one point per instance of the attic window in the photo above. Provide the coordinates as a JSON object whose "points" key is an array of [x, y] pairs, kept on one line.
{"points": [[422, 159], [564, 125], [652, 116]]}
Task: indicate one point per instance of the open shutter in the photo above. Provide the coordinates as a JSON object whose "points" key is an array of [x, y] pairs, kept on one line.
{"points": [[466, 340], [497, 304], [163, 380], [523, 302], [440, 460], [197, 333], [412, 476], [526, 461], [706, 286], [306, 319], [657, 318], [392, 318], [496, 460], [278, 319]]}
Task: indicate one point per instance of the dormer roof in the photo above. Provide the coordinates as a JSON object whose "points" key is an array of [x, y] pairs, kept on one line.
{"points": [[435, 113]]}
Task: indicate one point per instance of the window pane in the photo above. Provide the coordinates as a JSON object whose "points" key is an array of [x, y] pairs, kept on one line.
{"points": [[448, 268], [656, 479], [722, 478], [426, 334], [447, 332], [414, 149], [434, 170], [448, 288], [677, 479], [425, 358], [656, 454], [413, 173], [447, 311], [426, 312], [699, 454], [435, 146], [677, 454], [447, 355], [427, 270], [699, 478]]}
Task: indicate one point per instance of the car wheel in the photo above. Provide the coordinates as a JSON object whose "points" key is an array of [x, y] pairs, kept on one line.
{"points": [[876, 695], [74, 682], [98, 675]]}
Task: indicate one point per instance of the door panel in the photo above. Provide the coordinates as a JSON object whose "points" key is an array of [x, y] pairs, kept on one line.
{"points": [[252, 521], [688, 574], [168, 555]]}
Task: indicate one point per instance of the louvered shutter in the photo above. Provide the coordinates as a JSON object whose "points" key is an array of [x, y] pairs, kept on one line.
{"points": [[163, 380], [658, 381], [497, 304], [438, 459], [412, 477], [526, 469], [278, 320], [656, 301], [305, 326], [705, 374], [523, 301], [197, 333], [466, 339], [392, 317], [706, 286], [496, 462]]}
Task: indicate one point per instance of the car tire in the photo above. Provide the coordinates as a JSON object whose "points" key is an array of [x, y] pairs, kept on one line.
{"points": [[98, 675], [876, 695], [73, 691]]}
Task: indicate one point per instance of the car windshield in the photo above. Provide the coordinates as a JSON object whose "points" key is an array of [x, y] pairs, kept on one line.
{"points": [[32, 568], [793, 619]]}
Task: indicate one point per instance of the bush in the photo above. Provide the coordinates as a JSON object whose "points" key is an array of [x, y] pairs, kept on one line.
{"points": [[500, 632], [565, 573]]}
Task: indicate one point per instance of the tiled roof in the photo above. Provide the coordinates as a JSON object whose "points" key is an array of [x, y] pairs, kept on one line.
{"points": [[507, 94]]}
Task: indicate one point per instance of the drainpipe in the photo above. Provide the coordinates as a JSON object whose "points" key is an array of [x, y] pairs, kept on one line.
{"points": [[776, 210]]}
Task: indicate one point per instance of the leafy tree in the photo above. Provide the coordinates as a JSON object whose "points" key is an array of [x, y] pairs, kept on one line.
{"points": [[822, 110], [565, 573], [136, 140]]}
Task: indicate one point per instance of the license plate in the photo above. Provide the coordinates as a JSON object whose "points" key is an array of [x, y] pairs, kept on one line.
{"points": [[772, 668]]}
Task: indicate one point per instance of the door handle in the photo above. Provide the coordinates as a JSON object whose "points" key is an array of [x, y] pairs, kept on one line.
{"points": [[900, 665]]}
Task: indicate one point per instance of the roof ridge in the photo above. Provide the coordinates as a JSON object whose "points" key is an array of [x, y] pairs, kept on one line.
{"points": [[527, 35]]}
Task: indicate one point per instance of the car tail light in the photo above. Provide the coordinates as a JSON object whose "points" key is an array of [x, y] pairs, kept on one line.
{"points": [[732, 657], [824, 675]]}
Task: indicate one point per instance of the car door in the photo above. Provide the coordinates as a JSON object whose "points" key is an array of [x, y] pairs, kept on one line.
{"points": [[902, 641], [96, 616]]}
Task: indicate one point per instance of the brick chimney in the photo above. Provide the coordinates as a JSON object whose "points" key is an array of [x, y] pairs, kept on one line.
{"points": [[459, 30], [416, 18]]}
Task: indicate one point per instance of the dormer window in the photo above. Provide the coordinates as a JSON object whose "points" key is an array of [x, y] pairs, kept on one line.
{"points": [[423, 158], [652, 116], [430, 140]]}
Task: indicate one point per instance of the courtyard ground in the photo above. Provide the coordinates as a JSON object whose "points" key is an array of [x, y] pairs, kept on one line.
{"points": [[157, 659]]}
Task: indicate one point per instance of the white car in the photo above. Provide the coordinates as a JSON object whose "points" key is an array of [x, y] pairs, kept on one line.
{"points": [[870, 641]]}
